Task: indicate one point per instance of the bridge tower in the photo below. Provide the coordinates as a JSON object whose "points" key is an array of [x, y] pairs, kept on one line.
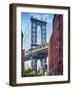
{"points": [[34, 24]]}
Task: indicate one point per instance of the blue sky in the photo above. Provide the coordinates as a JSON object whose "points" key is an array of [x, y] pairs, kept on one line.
{"points": [[26, 29]]}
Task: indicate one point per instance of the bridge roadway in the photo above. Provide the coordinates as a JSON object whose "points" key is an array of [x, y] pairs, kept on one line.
{"points": [[39, 51]]}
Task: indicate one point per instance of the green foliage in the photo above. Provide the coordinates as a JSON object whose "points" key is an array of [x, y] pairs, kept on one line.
{"points": [[28, 72]]}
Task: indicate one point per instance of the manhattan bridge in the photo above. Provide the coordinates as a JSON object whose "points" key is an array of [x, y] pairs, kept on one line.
{"points": [[37, 51]]}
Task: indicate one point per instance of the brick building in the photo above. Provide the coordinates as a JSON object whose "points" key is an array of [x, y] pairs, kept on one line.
{"points": [[55, 52], [50, 55]]}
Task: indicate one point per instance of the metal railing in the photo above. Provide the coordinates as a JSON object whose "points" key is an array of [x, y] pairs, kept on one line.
{"points": [[38, 48]]}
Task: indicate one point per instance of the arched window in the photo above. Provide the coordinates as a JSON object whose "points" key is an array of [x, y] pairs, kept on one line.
{"points": [[38, 64], [38, 35]]}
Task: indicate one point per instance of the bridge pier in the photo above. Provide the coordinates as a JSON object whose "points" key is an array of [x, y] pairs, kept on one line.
{"points": [[43, 64], [34, 65], [42, 56]]}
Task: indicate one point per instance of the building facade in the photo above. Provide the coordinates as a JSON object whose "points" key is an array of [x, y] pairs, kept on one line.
{"points": [[55, 47], [50, 55], [22, 56]]}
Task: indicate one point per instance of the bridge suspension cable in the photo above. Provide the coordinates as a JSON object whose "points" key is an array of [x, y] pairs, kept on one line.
{"points": [[26, 38], [26, 32]]}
